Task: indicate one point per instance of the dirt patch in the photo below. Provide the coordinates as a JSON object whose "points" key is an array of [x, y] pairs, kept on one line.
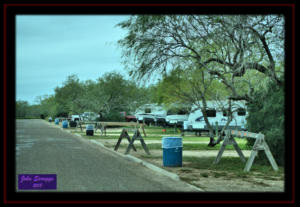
{"points": [[212, 181]]}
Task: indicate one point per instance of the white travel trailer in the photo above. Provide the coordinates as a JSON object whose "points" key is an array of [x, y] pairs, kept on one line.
{"points": [[178, 114], [150, 113], [217, 113], [177, 118]]}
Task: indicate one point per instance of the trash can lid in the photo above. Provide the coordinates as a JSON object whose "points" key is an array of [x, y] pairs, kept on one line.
{"points": [[89, 127], [171, 142]]}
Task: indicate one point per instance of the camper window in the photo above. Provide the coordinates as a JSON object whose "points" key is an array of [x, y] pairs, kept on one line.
{"points": [[170, 112], [183, 111], [147, 110], [199, 118], [225, 113], [211, 113], [177, 111], [241, 112]]}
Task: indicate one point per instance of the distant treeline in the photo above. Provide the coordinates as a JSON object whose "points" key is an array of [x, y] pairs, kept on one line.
{"points": [[108, 96]]}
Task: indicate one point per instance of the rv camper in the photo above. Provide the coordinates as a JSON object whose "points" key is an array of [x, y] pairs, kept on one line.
{"points": [[217, 113], [151, 114], [177, 117]]}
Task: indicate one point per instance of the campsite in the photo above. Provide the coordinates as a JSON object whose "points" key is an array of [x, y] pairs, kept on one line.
{"points": [[198, 166], [199, 96]]}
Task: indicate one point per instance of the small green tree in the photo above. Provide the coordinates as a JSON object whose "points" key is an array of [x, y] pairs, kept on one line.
{"points": [[68, 96], [112, 93]]}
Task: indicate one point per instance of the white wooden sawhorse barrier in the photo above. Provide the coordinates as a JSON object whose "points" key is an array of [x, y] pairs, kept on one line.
{"points": [[260, 144]]}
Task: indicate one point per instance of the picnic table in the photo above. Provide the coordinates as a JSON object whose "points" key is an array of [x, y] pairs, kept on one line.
{"points": [[103, 125]]}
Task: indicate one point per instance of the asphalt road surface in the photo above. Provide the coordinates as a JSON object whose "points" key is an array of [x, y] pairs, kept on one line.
{"points": [[81, 165]]}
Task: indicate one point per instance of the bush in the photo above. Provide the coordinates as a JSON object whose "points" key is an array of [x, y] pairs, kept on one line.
{"points": [[62, 114], [113, 116], [266, 115]]}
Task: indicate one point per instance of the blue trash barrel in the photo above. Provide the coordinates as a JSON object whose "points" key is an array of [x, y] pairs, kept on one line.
{"points": [[65, 124], [56, 121], [172, 151], [89, 130]]}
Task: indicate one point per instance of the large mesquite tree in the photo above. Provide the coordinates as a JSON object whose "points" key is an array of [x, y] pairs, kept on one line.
{"points": [[241, 51], [226, 46]]}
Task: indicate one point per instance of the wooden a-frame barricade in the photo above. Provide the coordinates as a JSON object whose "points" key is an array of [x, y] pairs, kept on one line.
{"points": [[137, 136], [260, 144]]}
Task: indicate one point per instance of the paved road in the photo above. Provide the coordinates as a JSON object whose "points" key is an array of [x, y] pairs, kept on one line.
{"points": [[81, 165]]}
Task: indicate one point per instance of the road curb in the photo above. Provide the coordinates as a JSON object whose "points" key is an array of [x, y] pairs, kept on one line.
{"points": [[154, 167], [95, 142], [149, 166], [142, 162]]}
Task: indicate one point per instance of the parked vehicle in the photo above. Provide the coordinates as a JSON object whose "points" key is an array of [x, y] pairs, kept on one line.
{"points": [[130, 118], [89, 116], [75, 118], [145, 118], [217, 113]]}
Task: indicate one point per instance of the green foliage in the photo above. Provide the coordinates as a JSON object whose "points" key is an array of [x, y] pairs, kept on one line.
{"points": [[232, 165], [188, 86], [154, 42], [25, 111], [68, 96], [109, 95], [266, 115], [21, 109], [113, 116]]}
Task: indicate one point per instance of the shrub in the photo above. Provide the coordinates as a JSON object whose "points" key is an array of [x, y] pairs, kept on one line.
{"points": [[266, 115], [113, 116], [61, 114]]}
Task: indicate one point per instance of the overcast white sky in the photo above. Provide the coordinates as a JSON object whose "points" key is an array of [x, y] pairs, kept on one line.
{"points": [[51, 47]]}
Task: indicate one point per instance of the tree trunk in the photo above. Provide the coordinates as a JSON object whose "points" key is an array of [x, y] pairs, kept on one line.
{"points": [[208, 125], [222, 134]]}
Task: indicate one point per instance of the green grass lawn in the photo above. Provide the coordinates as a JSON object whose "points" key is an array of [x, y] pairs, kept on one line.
{"points": [[155, 146], [229, 167], [233, 165], [241, 142]]}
